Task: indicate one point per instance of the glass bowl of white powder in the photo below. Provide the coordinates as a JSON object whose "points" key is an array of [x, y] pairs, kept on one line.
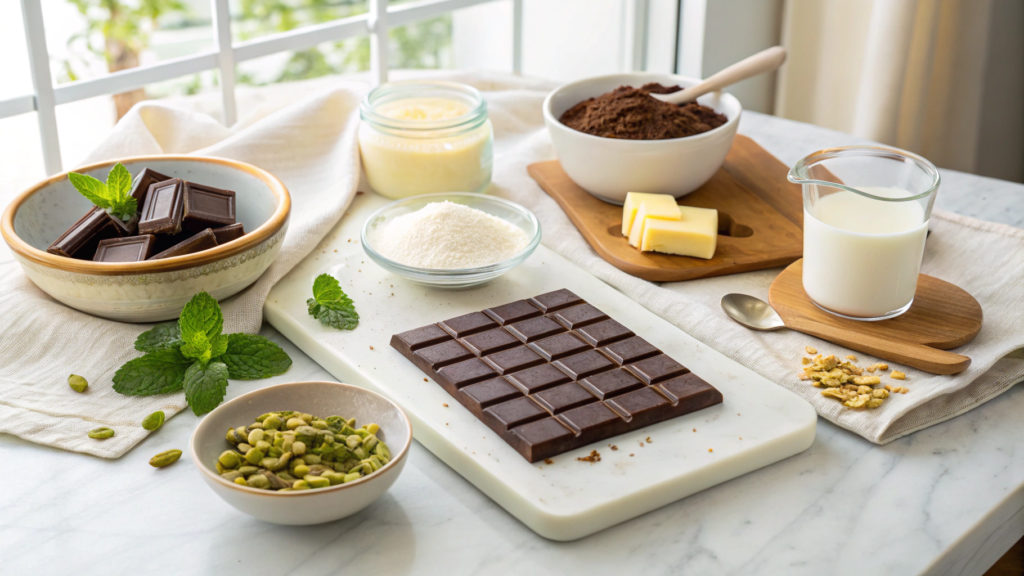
{"points": [[451, 240]]}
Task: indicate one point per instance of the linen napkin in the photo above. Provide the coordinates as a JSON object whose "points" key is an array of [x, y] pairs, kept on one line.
{"points": [[310, 145]]}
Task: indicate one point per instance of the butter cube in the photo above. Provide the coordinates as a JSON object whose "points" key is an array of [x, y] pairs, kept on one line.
{"points": [[694, 234], [658, 206]]}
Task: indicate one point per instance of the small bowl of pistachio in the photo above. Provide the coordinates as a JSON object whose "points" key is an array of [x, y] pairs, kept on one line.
{"points": [[304, 452]]}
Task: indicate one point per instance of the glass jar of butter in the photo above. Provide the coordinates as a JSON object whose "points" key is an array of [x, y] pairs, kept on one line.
{"points": [[422, 137]]}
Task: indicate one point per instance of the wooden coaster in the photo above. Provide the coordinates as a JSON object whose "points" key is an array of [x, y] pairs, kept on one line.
{"points": [[760, 217], [943, 316]]}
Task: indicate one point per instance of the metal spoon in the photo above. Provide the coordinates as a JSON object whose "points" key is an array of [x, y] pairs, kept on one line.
{"points": [[751, 312], [764, 61]]}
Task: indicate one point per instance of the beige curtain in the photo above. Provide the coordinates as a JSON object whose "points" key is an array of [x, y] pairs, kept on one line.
{"points": [[908, 73]]}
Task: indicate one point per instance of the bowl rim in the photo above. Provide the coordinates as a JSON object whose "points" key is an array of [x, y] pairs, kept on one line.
{"points": [[452, 272], [246, 242], [205, 469], [554, 123]]}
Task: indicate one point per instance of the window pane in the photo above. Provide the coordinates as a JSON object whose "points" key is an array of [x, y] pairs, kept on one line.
{"points": [[256, 18], [17, 76]]}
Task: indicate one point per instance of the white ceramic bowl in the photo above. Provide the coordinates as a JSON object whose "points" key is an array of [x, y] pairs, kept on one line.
{"points": [[153, 290], [322, 399], [609, 168]]}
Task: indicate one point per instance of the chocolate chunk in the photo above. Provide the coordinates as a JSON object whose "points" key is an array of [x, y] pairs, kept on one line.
{"points": [[444, 354], [82, 238], [584, 364], [128, 249], [161, 214], [604, 332], [559, 346], [202, 241], [629, 350], [420, 338], [656, 368], [526, 393], [513, 360], [593, 422], [611, 383], [564, 397], [489, 393], [142, 182], [226, 234], [516, 412], [578, 316], [514, 312], [541, 439], [206, 207], [555, 300], [467, 324], [690, 389], [465, 373], [483, 343], [538, 378], [535, 328]]}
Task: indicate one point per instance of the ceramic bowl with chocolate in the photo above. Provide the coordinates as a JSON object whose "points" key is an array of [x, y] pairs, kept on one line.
{"points": [[200, 224], [613, 139]]}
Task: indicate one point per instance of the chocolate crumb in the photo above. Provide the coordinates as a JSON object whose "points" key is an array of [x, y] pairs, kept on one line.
{"points": [[593, 457], [549, 461], [630, 455], [371, 347], [445, 404], [649, 440], [614, 447], [710, 450]]}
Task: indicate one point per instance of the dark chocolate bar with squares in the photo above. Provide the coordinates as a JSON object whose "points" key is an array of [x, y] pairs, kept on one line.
{"points": [[127, 249], [553, 373], [142, 182], [82, 238], [226, 234], [162, 211]]}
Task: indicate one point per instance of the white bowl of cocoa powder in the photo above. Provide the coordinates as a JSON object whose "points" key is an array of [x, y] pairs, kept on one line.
{"points": [[612, 140]]}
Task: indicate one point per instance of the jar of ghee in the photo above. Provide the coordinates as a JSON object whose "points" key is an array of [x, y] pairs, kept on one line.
{"points": [[421, 137]]}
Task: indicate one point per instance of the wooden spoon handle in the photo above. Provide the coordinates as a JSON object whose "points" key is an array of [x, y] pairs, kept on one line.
{"points": [[911, 354], [763, 61]]}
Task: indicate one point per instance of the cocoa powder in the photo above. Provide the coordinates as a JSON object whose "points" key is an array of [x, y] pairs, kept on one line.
{"points": [[633, 114]]}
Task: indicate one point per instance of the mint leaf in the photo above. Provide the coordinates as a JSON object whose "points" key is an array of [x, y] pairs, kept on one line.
{"points": [[330, 305], [252, 357], [159, 372], [327, 288], [205, 386], [125, 209], [200, 351], [162, 336], [94, 190], [119, 182], [218, 346], [200, 321]]}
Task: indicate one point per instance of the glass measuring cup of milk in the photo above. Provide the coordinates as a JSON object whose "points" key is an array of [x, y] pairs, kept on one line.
{"points": [[866, 211]]}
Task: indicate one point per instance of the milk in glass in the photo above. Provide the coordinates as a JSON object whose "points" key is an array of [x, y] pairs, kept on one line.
{"points": [[862, 256]]}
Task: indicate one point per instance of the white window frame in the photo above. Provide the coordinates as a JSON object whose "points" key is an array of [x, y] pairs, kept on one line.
{"points": [[375, 24]]}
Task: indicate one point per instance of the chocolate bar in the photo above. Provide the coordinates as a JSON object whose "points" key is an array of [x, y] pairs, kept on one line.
{"points": [[207, 207], [202, 241], [226, 234], [82, 238], [162, 211], [142, 182], [129, 249], [553, 373]]}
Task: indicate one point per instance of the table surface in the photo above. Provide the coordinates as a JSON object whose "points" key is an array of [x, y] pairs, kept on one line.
{"points": [[946, 500]]}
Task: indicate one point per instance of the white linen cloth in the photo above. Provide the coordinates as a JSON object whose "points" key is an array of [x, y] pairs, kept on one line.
{"points": [[309, 143]]}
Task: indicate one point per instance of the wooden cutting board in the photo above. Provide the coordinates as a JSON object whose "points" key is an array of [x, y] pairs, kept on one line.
{"points": [[760, 217], [943, 316]]}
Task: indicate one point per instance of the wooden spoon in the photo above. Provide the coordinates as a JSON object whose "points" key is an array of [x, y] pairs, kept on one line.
{"points": [[764, 61]]}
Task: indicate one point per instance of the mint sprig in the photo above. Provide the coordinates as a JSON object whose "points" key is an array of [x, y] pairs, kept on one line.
{"points": [[114, 195], [330, 305], [192, 355]]}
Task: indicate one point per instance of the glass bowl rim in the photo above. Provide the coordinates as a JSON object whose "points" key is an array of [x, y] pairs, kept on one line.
{"points": [[798, 174], [453, 272], [475, 116]]}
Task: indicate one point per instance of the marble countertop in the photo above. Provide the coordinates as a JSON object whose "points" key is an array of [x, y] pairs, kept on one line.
{"points": [[946, 500]]}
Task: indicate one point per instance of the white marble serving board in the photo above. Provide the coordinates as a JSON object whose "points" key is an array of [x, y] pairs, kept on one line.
{"points": [[758, 424]]}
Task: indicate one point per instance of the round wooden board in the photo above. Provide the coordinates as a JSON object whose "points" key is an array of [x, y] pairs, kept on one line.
{"points": [[943, 316]]}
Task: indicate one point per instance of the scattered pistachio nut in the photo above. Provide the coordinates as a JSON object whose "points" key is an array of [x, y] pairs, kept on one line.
{"points": [[77, 383], [288, 451], [101, 433], [153, 421], [165, 458], [848, 383]]}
